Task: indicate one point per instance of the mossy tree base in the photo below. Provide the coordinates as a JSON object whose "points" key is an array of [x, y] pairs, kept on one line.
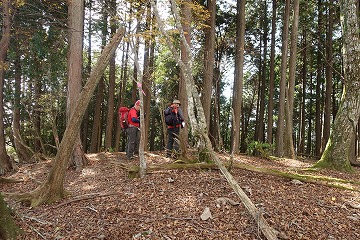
{"points": [[41, 195], [8, 228]]}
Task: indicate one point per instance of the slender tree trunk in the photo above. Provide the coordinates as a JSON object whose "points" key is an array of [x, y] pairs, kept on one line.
{"points": [[96, 127], [310, 121], [96, 139], [260, 131], [319, 76], [146, 81], [111, 97], [279, 151], [215, 129], [209, 60], [328, 67], [75, 66], [303, 94], [238, 75], [122, 88], [5, 164], [338, 151], [85, 124], [23, 152], [270, 119], [289, 108], [135, 72], [186, 15], [38, 143]]}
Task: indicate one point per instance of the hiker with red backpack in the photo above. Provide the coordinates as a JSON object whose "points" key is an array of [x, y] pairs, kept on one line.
{"points": [[174, 119], [133, 130]]}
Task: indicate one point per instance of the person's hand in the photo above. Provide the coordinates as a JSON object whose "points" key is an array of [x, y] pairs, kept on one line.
{"points": [[183, 124]]}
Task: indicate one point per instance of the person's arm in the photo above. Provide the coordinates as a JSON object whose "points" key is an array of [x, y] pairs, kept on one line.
{"points": [[133, 116], [181, 115], [135, 119], [168, 111]]}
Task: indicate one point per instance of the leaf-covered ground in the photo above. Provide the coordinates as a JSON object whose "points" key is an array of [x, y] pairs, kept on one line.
{"points": [[168, 204]]}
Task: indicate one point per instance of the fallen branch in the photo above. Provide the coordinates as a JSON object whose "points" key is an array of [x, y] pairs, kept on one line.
{"points": [[8, 180], [86, 197]]}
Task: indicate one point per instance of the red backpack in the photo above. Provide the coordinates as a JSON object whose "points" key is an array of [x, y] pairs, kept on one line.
{"points": [[123, 117]]}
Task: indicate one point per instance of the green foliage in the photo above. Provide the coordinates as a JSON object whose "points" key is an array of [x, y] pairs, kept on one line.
{"points": [[260, 149], [204, 156]]}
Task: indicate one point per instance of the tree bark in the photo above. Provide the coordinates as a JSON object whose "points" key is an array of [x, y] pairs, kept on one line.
{"points": [[209, 60], [279, 151], [238, 76], [289, 150], [5, 164], [8, 228], [270, 119], [186, 19], [319, 76], [146, 77], [338, 151], [75, 66], [23, 152], [111, 95], [301, 143], [329, 69]]}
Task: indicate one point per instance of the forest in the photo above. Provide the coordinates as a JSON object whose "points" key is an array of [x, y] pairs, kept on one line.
{"points": [[266, 79]]}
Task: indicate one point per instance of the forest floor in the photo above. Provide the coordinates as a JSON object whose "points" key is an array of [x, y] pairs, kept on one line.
{"points": [[167, 204]]}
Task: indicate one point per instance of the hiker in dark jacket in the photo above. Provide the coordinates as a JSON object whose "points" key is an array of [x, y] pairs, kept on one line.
{"points": [[174, 119]]}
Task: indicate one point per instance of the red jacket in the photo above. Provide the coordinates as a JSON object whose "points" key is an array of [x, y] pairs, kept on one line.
{"points": [[133, 118]]}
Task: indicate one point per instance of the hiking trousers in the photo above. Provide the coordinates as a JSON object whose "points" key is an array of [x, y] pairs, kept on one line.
{"points": [[133, 141], [173, 140]]}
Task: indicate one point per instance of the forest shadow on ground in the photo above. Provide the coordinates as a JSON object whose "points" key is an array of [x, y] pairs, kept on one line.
{"points": [[167, 204]]}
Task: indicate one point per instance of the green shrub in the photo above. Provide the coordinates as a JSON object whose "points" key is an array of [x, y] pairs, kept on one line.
{"points": [[260, 149]]}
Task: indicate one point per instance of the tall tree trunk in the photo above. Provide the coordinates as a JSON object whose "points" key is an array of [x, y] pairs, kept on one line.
{"points": [[96, 127], [209, 60], [303, 93], [146, 81], [289, 108], [85, 124], [136, 70], [111, 97], [150, 87], [337, 153], [53, 188], [310, 120], [23, 152], [262, 69], [96, 138], [319, 76], [5, 164], [215, 129], [238, 75], [329, 69], [270, 119], [75, 65], [122, 88], [186, 15], [279, 151]]}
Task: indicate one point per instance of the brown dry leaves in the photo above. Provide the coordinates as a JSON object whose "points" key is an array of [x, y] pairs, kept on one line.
{"points": [[106, 204]]}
